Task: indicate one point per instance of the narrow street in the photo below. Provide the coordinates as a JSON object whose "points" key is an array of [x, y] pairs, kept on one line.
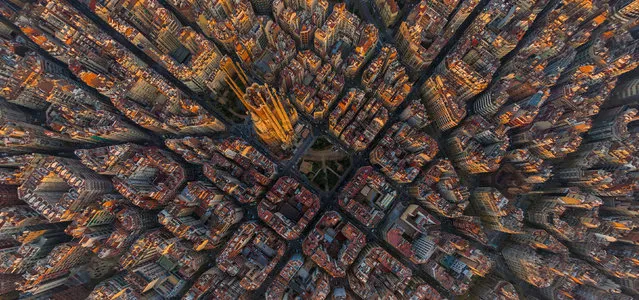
{"points": [[288, 167]]}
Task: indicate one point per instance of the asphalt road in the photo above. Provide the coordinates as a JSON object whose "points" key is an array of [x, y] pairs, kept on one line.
{"points": [[288, 167]]}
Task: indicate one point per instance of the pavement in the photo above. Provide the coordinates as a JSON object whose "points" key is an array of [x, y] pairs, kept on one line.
{"points": [[288, 167]]}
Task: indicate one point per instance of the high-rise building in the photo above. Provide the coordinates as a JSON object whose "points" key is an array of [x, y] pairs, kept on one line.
{"points": [[625, 92], [367, 196], [113, 287], [273, 117], [300, 276], [331, 254], [468, 69], [389, 10], [440, 189], [403, 151], [147, 176], [20, 134], [386, 78], [33, 242], [529, 266], [110, 226], [53, 270], [493, 287], [15, 218], [376, 265], [427, 28], [262, 6], [60, 188], [98, 60], [362, 36], [288, 207], [556, 275], [534, 103], [28, 78], [521, 171], [214, 283], [357, 119], [260, 44], [406, 231], [496, 211], [251, 255], [300, 19], [311, 85], [233, 165], [35, 82], [539, 239], [154, 29], [201, 214], [478, 146]]}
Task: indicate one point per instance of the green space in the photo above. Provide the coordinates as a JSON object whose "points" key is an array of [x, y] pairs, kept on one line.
{"points": [[324, 164]]}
